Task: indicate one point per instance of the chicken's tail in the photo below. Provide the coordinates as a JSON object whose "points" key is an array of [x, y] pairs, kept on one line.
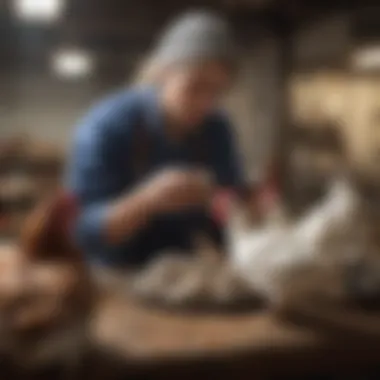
{"points": [[335, 211]]}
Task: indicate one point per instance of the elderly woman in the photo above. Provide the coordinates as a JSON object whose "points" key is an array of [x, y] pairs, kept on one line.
{"points": [[146, 161]]}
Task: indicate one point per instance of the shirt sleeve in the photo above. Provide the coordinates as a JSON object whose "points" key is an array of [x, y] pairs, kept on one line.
{"points": [[227, 161], [96, 174]]}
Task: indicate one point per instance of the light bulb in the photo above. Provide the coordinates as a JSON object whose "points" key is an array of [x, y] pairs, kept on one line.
{"points": [[38, 10], [72, 64]]}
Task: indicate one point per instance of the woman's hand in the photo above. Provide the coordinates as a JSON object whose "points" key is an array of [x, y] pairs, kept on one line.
{"points": [[166, 191], [176, 189]]}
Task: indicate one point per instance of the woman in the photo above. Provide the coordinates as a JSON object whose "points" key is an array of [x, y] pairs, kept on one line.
{"points": [[141, 158]]}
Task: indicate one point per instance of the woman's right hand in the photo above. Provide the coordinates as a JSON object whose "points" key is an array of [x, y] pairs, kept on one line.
{"points": [[169, 190], [176, 189]]}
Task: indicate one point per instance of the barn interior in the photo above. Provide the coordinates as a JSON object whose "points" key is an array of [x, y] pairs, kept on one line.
{"points": [[306, 97]]}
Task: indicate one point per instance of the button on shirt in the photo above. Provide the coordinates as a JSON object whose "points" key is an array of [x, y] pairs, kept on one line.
{"points": [[101, 169]]}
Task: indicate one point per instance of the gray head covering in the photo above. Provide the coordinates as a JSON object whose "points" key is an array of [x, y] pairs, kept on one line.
{"points": [[195, 36]]}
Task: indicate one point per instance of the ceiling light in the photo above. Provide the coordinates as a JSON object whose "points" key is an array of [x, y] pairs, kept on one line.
{"points": [[367, 58], [38, 10], [72, 64]]}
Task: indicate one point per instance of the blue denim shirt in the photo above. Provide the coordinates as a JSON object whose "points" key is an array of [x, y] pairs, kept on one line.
{"points": [[100, 169]]}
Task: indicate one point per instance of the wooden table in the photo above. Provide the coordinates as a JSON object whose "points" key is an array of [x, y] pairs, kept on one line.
{"points": [[158, 343], [152, 343]]}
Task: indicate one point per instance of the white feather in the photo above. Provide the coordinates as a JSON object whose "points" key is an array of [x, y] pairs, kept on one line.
{"points": [[273, 258]]}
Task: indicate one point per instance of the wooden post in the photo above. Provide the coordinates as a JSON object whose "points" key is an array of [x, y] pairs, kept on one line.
{"points": [[283, 28]]}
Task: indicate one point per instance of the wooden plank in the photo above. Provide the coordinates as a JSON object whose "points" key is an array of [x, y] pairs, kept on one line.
{"points": [[153, 342], [152, 339], [339, 319]]}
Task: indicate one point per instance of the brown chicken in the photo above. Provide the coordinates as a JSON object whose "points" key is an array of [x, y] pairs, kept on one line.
{"points": [[46, 295]]}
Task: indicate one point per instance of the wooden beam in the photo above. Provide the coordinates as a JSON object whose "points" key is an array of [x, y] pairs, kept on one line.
{"points": [[306, 14], [284, 36]]}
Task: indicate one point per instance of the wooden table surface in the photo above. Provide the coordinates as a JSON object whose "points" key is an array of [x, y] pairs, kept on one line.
{"points": [[154, 341], [257, 342]]}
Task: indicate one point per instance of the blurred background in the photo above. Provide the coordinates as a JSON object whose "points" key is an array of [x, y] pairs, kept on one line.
{"points": [[308, 91], [307, 98]]}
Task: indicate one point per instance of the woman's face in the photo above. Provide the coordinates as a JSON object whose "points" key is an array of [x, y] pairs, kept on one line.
{"points": [[190, 93]]}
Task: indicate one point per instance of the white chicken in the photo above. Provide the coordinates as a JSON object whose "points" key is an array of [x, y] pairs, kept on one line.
{"points": [[285, 262], [326, 254]]}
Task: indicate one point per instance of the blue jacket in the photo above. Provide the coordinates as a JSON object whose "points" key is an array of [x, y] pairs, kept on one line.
{"points": [[101, 168]]}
